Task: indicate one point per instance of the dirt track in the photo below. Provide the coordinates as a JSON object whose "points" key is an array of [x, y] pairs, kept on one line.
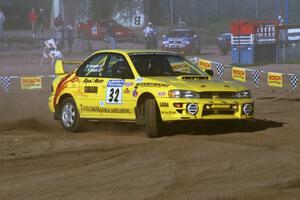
{"points": [[260, 160]]}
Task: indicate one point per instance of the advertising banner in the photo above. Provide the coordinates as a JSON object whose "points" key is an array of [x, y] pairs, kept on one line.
{"points": [[275, 79], [204, 64], [239, 74], [30, 83]]}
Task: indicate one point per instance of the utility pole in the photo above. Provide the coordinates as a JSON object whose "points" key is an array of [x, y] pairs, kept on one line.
{"points": [[216, 9], [171, 13], [286, 12], [277, 13], [256, 10]]}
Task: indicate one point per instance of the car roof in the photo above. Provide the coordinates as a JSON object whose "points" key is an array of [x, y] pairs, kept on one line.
{"points": [[181, 29], [135, 51]]}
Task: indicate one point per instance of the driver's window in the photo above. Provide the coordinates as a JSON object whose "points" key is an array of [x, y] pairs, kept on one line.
{"points": [[117, 67], [93, 67]]}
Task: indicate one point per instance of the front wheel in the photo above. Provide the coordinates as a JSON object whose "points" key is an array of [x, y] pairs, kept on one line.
{"points": [[152, 118], [69, 116]]}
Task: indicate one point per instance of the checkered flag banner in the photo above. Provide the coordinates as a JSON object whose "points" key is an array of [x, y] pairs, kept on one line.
{"points": [[294, 80], [5, 82], [256, 77], [220, 70]]}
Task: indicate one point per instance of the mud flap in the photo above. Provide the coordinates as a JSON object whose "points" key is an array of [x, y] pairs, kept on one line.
{"points": [[59, 67]]}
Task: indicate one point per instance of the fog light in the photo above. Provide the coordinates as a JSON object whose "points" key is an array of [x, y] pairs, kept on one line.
{"points": [[207, 107], [234, 107], [247, 109], [192, 108], [178, 105]]}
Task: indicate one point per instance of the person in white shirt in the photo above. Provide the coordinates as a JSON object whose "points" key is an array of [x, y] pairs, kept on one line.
{"points": [[150, 36], [2, 21]]}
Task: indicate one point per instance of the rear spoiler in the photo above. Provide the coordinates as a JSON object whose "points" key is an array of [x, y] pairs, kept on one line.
{"points": [[59, 66]]}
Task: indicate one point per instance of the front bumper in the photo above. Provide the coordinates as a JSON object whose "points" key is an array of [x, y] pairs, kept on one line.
{"points": [[207, 109], [183, 49]]}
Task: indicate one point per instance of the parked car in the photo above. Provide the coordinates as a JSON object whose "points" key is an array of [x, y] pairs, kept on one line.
{"points": [[96, 30], [224, 43], [183, 40]]}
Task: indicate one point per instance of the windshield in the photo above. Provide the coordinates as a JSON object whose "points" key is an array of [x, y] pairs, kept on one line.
{"points": [[153, 64], [180, 34]]}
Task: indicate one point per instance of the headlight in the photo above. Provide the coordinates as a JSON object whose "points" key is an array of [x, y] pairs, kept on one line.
{"points": [[243, 94], [165, 42], [186, 42], [183, 94]]}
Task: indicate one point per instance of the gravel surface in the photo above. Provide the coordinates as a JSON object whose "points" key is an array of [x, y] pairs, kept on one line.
{"points": [[39, 160]]}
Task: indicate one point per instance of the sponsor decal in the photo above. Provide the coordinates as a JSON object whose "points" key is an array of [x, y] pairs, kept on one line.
{"points": [[104, 110], [161, 94], [115, 83], [92, 80], [126, 91], [114, 91], [91, 89], [168, 112], [98, 81], [94, 68], [30, 83], [239, 74], [128, 84], [135, 93], [101, 103], [275, 79], [87, 80], [139, 80], [164, 104], [204, 64], [152, 85], [70, 78]]}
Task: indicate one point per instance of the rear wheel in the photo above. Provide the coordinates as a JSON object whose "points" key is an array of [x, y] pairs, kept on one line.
{"points": [[69, 116], [153, 121]]}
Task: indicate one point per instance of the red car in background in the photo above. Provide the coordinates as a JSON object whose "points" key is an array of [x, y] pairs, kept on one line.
{"points": [[96, 30]]}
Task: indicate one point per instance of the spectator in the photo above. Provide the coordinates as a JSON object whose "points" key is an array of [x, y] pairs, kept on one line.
{"points": [[84, 38], [41, 21], [150, 36], [110, 36], [33, 16], [2, 21], [59, 28], [70, 39]]}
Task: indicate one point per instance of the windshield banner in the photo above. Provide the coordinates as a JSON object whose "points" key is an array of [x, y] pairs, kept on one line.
{"points": [[239, 74]]}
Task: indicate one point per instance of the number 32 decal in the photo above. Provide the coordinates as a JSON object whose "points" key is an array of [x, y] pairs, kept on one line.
{"points": [[114, 95]]}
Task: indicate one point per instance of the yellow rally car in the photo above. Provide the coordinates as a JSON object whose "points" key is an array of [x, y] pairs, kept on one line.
{"points": [[146, 87]]}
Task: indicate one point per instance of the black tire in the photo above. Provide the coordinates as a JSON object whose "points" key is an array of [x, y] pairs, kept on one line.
{"points": [[69, 116], [153, 121]]}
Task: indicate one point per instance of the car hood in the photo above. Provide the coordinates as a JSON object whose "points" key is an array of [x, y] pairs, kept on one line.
{"points": [[201, 85], [179, 39]]}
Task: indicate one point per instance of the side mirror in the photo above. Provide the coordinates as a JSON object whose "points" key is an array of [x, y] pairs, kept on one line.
{"points": [[209, 72]]}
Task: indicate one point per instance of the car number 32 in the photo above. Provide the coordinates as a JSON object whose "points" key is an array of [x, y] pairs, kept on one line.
{"points": [[113, 95]]}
